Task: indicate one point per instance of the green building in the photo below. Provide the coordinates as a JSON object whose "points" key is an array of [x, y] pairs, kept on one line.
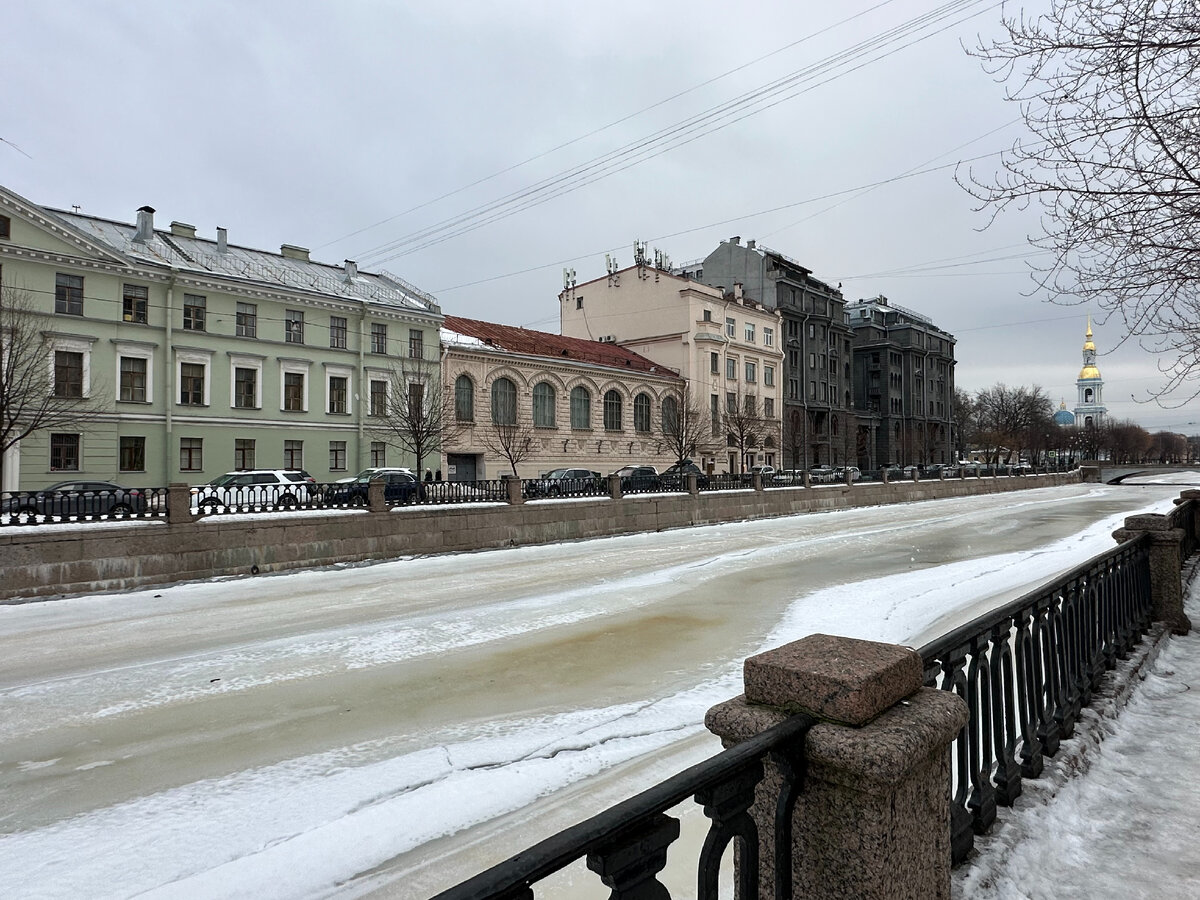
{"points": [[188, 356]]}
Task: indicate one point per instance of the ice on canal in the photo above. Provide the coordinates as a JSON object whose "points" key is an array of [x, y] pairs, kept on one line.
{"points": [[157, 757]]}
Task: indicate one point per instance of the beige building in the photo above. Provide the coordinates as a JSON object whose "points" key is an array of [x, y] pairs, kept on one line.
{"points": [[725, 345], [567, 403]]}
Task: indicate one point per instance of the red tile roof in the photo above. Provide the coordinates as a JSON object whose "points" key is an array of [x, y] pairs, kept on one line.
{"points": [[555, 346]]}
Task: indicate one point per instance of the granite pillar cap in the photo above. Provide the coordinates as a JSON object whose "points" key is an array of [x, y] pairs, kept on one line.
{"points": [[839, 679]]}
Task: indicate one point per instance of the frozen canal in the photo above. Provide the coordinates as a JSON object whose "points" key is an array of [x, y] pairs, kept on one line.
{"points": [[388, 729]]}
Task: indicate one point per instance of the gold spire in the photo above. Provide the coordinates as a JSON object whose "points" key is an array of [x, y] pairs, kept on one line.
{"points": [[1087, 344]]}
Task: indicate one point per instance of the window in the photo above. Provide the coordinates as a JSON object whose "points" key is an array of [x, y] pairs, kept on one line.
{"points": [[750, 404], [579, 303], [641, 413], [543, 405], [581, 408], [731, 369], [378, 337], [768, 337], [769, 376], [191, 384], [464, 399], [195, 308], [751, 372], [132, 454], [337, 456], [293, 454], [750, 332], [293, 326], [5, 227], [730, 328], [715, 413], [245, 388], [247, 320], [133, 303], [338, 391], [670, 415], [293, 391], [133, 380], [612, 411], [708, 315], [378, 395], [812, 330], [793, 388], [416, 403], [714, 363], [64, 452], [68, 373], [812, 390], [504, 402], [416, 343], [337, 332], [378, 453], [68, 294], [812, 360], [191, 454], [243, 453], [730, 402], [769, 407]]}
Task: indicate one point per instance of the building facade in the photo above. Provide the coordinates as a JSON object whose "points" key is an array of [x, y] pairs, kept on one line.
{"points": [[903, 383], [566, 402], [194, 356], [725, 345], [818, 421]]}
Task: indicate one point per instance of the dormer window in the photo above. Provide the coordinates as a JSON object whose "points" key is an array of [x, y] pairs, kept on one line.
{"points": [[5, 228]]}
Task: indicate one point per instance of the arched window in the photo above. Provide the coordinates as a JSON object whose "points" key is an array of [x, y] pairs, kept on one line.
{"points": [[612, 411], [581, 408], [670, 415], [504, 402], [1087, 396], [543, 405], [464, 399], [641, 413]]}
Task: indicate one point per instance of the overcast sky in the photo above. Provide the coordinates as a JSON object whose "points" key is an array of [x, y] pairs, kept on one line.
{"points": [[352, 128]]}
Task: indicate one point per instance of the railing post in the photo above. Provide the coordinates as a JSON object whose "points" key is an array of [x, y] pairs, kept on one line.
{"points": [[614, 487], [513, 484], [179, 503], [848, 477], [756, 481], [376, 501], [692, 483], [883, 475], [873, 815], [1166, 582], [807, 478]]}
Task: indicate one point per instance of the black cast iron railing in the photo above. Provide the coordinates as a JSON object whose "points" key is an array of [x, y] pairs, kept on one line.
{"points": [[626, 845], [91, 504], [1025, 671]]}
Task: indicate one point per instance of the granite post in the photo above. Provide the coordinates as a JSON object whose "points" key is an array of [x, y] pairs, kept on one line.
{"points": [[873, 818], [179, 503], [1166, 564]]}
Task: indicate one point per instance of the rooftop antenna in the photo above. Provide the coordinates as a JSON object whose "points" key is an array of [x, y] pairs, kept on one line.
{"points": [[612, 266], [568, 279]]}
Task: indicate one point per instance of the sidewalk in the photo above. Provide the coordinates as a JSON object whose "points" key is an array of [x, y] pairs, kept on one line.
{"points": [[1127, 824]]}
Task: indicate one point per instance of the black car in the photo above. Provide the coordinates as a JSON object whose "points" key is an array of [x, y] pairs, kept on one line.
{"points": [[675, 478], [564, 482], [638, 478], [398, 487], [77, 498]]}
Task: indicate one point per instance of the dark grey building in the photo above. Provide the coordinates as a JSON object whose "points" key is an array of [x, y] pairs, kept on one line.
{"points": [[903, 383], [819, 423]]}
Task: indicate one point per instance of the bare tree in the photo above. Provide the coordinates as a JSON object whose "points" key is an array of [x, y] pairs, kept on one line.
{"points": [[416, 411], [962, 414], [795, 438], [745, 427], [506, 435], [686, 425], [1006, 417], [40, 388], [1108, 89]]}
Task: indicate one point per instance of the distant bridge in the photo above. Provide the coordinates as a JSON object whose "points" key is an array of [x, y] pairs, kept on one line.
{"points": [[1113, 474]]}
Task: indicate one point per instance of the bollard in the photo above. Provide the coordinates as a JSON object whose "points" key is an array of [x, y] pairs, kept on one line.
{"points": [[614, 487], [513, 484]]}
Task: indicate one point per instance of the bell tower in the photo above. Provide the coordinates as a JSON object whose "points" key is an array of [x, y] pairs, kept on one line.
{"points": [[1090, 409]]}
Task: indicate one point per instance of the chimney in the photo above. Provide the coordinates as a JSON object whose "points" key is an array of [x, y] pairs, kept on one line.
{"points": [[737, 290], [222, 239], [736, 239], [291, 251], [750, 245], [351, 270], [145, 224], [183, 229]]}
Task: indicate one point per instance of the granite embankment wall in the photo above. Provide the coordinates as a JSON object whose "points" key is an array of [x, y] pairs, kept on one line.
{"points": [[60, 560]]}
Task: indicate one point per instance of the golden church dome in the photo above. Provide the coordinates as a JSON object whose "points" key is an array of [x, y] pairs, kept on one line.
{"points": [[1089, 372]]}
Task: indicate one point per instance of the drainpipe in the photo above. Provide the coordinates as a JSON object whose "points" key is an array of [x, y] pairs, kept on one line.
{"points": [[364, 389], [168, 372]]}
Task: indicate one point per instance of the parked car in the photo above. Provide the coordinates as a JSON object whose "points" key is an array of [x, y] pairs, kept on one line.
{"points": [[373, 469], [399, 486], [673, 478], [767, 472], [840, 474], [557, 482], [77, 498], [256, 487], [638, 478], [821, 475]]}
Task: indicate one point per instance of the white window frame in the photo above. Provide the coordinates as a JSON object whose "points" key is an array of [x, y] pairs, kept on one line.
{"points": [[336, 371], [193, 357], [133, 350], [375, 374], [294, 367], [242, 361], [749, 332], [730, 327], [74, 344], [768, 336]]}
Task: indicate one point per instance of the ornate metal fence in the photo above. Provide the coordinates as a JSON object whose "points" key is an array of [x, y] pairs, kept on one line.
{"points": [[90, 504], [1025, 671], [626, 845]]}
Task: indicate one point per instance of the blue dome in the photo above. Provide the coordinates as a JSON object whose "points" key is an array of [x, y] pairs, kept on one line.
{"points": [[1064, 417]]}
